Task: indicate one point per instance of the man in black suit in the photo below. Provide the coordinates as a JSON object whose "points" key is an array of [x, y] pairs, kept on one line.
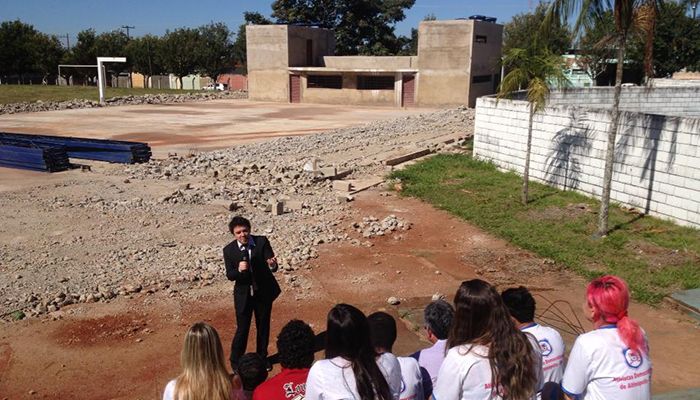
{"points": [[250, 263]]}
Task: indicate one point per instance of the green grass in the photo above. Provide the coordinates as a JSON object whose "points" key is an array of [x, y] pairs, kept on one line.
{"points": [[477, 192], [32, 93]]}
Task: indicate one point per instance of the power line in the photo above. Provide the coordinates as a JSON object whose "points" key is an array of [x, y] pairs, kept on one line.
{"points": [[127, 27]]}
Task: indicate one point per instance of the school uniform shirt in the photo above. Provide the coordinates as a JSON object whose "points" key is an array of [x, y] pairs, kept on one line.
{"points": [[288, 384], [411, 379], [465, 373], [601, 367], [334, 380], [169, 393], [552, 348], [431, 358]]}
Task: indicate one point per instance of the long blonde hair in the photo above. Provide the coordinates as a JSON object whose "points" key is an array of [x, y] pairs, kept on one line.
{"points": [[204, 375]]}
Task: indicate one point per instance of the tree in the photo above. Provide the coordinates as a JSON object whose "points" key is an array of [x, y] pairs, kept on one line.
{"points": [[48, 54], [531, 68], [84, 52], [179, 51], [144, 55], [520, 30], [24, 50], [632, 18], [677, 40], [594, 45], [216, 49], [16, 52], [360, 26], [239, 45], [113, 44]]}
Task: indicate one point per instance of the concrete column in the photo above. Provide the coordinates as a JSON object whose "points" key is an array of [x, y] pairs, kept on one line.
{"points": [[398, 88]]}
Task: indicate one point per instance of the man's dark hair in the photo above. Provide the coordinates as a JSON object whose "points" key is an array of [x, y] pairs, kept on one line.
{"points": [[382, 330], [438, 317], [295, 345], [238, 221], [253, 370], [520, 303]]}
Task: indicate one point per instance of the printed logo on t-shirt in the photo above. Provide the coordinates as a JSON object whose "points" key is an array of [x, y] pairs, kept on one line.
{"points": [[545, 347], [293, 390], [632, 358]]}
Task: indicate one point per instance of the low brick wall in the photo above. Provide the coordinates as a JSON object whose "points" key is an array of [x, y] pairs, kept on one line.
{"points": [[678, 101], [657, 165]]}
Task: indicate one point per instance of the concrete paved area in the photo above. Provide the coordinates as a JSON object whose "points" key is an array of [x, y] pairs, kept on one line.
{"points": [[198, 126]]}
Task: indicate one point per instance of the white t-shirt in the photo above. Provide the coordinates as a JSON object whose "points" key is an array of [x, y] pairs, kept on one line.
{"points": [[552, 348], [169, 393], [465, 373], [601, 367], [334, 380], [411, 379]]}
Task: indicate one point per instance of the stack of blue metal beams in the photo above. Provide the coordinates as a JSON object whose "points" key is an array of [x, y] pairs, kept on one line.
{"points": [[25, 155], [116, 151]]}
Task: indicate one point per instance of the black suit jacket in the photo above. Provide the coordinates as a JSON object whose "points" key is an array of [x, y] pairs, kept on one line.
{"points": [[267, 287]]}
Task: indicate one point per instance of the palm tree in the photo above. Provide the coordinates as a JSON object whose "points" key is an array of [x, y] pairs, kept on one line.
{"points": [[632, 18], [532, 68]]}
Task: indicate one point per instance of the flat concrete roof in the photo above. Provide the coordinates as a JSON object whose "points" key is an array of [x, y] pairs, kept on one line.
{"points": [[325, 69]]}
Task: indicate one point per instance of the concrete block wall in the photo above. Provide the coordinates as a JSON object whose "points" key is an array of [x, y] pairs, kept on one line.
{"points": [[679, 101], [657, 168]]}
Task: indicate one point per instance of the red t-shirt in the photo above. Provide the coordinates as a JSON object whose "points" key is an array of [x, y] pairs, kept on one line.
{"points": [[284, 386]]}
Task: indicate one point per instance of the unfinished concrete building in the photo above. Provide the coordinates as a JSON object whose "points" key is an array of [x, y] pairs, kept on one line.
{"points": [[457, 62]]}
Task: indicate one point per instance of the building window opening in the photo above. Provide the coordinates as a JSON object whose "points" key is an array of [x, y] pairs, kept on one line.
{"points": [[481, 79], [480, 39], [373, 82], [324, 82]]}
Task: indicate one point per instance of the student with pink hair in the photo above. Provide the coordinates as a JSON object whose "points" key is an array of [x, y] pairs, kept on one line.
{"points": [[612, 361]]}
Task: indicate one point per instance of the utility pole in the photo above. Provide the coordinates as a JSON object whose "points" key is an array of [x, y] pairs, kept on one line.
{"points": [[68, 41], [127, 27]]}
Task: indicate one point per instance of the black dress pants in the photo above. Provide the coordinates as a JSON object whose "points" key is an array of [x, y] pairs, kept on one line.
{"points": [[262, 309]]}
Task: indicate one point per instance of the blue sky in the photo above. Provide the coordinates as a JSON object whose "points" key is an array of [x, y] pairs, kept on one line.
{"points": [[71, 16]]}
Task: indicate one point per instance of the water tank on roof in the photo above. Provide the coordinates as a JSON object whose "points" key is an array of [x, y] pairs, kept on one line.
{"points": [[482, 18]]}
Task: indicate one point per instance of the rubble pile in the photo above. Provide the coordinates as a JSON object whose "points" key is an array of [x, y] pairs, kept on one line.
{"points": [[160, 98]]}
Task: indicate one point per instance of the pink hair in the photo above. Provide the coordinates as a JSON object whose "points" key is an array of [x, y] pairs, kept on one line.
{"points": [[609, 298]]}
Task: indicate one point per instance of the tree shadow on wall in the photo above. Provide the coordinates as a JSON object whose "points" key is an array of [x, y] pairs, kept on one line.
{"points": [[648, 131], [569, 145]]}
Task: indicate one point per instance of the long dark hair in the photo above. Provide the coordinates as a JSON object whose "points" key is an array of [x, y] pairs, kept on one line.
{"points": [[481, 318], [348, 337]]}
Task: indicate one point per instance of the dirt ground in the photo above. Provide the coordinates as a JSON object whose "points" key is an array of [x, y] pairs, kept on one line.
{"points": [[197, 126], [129, 348]]}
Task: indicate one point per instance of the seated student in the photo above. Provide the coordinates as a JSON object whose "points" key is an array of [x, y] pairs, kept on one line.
{"points": [[488, 357], [382, 329], [521, 306], [295, 346], [611, 362], [204, 374], [252, 369], [352, 368], [438, 319]]}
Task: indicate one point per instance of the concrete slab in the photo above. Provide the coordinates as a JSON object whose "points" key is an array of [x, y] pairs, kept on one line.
{"points": [[404, 155], [189, 127], [688, 300]]}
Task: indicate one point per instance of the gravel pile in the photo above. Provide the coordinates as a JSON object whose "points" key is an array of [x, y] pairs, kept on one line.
{"points": [[371, 226], [160, 226], [161, 98]]}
